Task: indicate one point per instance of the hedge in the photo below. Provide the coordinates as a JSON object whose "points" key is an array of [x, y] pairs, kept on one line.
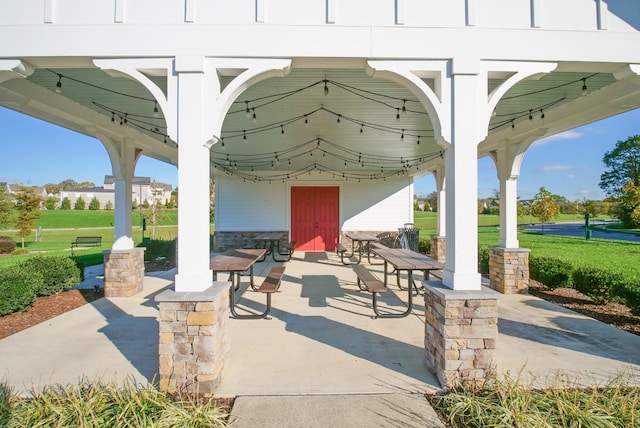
{"points": [[59, 273], [18, 289], [550, 271], [597, 283]]}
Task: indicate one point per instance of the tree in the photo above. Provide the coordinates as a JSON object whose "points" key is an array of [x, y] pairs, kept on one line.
{"points": [[7, 209], [68, 184], [86, 184], [94, 205], [630, 205], [28, 206], [65, 204], [108, 206], [52, 188], [80, 204], [622, 165], [432, 198], [51, 203], [544, 206]]}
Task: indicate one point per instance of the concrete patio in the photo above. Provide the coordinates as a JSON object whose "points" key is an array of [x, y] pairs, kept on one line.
{"points": [[321, 340]]}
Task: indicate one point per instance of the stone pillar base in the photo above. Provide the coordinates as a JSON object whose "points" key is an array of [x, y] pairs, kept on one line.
{"points": [[461, 334], [509, 269], [123, 272], [438, 247], [194, 344]]}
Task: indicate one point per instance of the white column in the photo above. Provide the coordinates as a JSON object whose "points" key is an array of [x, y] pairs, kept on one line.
{"points": [[441, 227], [122, 216], [468, 86], [508, 169], [194, 273], [123, 157]]}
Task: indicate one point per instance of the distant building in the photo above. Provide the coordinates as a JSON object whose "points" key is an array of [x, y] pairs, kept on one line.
{"points": [[143, 189]]}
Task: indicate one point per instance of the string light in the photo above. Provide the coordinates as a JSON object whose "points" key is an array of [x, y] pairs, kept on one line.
{"points": [[156, 113], [584, 86], [59, 84], [326, 88]]}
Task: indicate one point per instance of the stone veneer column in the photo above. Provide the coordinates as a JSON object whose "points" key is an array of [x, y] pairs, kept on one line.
{"points": [[438, 247], [194, 343], [123, 272], [461, 334], [509, 269]]}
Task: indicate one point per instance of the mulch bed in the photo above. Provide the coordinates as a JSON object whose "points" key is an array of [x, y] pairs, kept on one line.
{"points": [[611, 313]]}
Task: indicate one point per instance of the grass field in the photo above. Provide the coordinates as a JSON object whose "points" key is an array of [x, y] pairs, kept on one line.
{"points": [[57, 219], [61, 227]]}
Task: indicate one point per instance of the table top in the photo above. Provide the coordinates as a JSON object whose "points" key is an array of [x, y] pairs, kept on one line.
{"points": [[270, 236], [358, 236], [402, 258], [236, 259]]}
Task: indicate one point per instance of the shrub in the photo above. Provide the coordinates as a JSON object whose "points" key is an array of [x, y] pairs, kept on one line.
{"points": [[630, 292], [597, 283], [424, 246], [94, 205], [158, 248], [18, 289], [80, 204], [19, 251], [550, 271], [65, 204], [51, 203], [7, 245], [483, 260], [58, 273]]}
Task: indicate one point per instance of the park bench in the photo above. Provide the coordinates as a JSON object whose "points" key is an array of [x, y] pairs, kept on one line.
{"points": [[86, 241], [270, 285]]}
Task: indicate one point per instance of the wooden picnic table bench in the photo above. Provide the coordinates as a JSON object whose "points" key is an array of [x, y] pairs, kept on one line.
{"points": [[270, 285], [367, 281]]}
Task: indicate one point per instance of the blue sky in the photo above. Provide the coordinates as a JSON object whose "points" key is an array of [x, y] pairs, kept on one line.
{"points": [[34, 152]]}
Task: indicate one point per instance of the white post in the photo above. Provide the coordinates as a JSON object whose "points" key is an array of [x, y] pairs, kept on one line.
{"points": [[194, 273], [461, 159], [441, 228], [508, 169]]}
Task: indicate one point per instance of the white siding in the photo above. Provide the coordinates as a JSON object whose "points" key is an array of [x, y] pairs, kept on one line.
{"points": [[374, 206], [382, 205], [247, 206]]}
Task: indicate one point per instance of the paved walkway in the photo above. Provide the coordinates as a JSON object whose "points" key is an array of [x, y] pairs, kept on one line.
{"points": [[322, 360]]}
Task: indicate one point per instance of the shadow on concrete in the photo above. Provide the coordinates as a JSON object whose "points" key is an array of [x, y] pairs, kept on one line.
{"points": [[136, 338], [382, 350], [577, 333]]}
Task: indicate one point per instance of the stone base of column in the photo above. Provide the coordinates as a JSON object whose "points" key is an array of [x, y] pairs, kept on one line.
{"points": [[194, 344], [509, 269], [123, 272], [438, 247], [461, 334]]}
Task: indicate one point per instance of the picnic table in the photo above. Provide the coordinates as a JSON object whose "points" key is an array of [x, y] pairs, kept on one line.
{"points": [[236, 261], [271, 242], [409, 260], [361, 241]]}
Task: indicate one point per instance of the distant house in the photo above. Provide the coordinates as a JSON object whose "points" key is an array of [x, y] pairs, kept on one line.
{"points": [[143, 189]]}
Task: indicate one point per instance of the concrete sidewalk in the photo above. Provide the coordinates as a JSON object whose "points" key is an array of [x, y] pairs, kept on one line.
{"points": [[321, 360]]}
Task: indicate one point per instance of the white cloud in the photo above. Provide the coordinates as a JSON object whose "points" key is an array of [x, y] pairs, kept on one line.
{"points": [[567, 135], [558, 167], [571, 176]]}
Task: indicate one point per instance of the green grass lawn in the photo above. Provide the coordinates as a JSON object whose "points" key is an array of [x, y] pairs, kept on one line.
{"points": [[57, 219]]}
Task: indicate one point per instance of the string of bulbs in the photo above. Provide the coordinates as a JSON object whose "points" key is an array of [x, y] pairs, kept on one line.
{"points": [[374, 167], [124, 118], [251, 105]]}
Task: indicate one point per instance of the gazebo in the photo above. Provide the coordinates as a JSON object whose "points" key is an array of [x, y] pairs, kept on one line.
{"points": [[324, 103]]}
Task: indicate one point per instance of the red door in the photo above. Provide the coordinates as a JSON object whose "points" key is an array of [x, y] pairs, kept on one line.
{"points": [[314, 218]]}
